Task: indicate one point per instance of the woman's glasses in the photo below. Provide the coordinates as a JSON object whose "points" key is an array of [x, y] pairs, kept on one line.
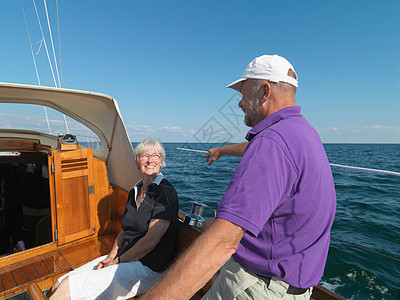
{"points": [[153, 156]]}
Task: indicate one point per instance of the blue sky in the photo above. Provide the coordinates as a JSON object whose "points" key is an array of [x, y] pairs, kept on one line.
{"points": [[167, 62]]}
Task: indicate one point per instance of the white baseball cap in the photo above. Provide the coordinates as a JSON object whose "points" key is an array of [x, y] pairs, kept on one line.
{"points": [[268, 67]]}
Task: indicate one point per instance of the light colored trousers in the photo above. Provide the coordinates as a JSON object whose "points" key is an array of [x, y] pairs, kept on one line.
{"points": [[236, 282]]}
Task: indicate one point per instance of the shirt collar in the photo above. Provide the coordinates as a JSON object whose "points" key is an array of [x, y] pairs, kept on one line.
{"points": [[284, 113], [156, 180]]}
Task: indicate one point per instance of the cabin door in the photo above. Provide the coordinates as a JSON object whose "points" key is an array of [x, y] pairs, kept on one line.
{"points": [[73, 184]]}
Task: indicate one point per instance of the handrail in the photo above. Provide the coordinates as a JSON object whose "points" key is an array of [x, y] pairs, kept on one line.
{"points": [[332, 165], [366, 169]]}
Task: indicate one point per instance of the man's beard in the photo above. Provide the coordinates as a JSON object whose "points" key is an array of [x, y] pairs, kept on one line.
{"points": [[252, 111]]}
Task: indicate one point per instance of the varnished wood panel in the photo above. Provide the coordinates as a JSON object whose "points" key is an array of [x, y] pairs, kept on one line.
{"points": [[186, 236], [74, 210], [120, 197], [102, 202], [75, 215], [20, 256], [60, 260], [40, 266], [51, 265], [7, 278], [14, 144], [19, 274], [29, 270], [87, 250]]}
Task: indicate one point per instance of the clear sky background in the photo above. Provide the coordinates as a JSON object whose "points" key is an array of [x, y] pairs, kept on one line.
{"points": [[167, 62]]}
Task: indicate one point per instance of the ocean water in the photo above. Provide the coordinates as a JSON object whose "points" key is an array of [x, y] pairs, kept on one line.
{"points": [[367, 216]]}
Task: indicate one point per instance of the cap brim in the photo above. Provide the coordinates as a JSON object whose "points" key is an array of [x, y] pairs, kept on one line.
{"points": [[236, 85]]}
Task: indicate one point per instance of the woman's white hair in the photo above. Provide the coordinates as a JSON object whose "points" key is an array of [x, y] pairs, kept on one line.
{"points": [[147, 145]]}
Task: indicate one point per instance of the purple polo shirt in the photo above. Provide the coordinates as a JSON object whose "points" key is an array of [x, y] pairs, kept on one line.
{"points": [[283, 194]]}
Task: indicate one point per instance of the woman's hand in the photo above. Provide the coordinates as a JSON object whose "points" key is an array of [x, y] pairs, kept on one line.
{"points": [[109, 261]]}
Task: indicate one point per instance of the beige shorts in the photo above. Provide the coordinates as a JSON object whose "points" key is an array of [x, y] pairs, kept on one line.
{"points": [[236, 282]]}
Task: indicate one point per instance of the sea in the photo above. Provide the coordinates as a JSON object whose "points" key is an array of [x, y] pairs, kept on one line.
{"points": [[364, 255]]}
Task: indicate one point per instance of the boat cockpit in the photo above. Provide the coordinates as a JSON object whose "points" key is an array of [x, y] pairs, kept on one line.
{"points": [[61, 203]]}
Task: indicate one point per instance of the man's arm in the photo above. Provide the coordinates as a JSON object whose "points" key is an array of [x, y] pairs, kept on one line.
{"points": [[199, 263], [231, 150]]}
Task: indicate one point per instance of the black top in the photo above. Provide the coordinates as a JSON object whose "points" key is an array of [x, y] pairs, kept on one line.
{"points": [[160, 202]]}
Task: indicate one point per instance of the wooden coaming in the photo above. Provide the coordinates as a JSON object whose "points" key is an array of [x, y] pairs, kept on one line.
{"points": [[18, 144]]}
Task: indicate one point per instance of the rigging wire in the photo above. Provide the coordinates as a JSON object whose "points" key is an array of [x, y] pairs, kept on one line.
{"points": [[54, 54], [59, 43], [45, 44], [43, 41], [34, 62], [30, 43], [52, 44]]}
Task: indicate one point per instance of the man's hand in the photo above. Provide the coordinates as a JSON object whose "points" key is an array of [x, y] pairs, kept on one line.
{"points": [[213, 155], [231, 150]]}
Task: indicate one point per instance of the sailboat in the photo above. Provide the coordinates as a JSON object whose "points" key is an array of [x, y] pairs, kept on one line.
{"points": [[61, 202]]}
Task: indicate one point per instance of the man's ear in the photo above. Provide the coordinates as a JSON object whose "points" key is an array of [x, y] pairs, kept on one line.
{"points": [[266, 88]]}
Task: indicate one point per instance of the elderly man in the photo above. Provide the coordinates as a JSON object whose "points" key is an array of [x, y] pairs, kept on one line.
{"points": [[272, 228]]}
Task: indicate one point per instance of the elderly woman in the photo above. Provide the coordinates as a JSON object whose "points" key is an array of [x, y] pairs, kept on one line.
{"points": [[144, 247]]}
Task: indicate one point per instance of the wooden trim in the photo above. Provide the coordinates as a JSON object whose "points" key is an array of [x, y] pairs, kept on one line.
{"points": [[17, 144], [321, 293], [35, 292]]}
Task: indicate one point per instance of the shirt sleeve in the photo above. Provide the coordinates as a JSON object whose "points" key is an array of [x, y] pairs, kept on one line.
{"points": [[166, 203], [261, 181]]}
